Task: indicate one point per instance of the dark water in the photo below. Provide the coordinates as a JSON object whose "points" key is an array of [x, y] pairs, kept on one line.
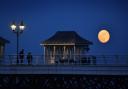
{"points": [[52, 81]]}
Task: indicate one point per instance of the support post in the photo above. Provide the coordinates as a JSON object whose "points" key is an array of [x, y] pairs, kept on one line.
{"points": [[54, 53], [44, 54], [74, 52]]}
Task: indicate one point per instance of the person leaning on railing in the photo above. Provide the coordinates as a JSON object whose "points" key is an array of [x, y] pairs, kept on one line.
{"points": [[29, 58], [21, 56]]}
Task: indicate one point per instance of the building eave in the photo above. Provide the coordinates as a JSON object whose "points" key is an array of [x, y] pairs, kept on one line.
{"points": [[2, 40], [63, 44]]}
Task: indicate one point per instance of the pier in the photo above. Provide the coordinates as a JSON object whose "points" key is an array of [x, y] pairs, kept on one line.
{"points": [[103, 65]]}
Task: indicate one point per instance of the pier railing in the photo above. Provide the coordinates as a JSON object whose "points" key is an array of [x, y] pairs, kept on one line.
{"points": [[69, 60]]}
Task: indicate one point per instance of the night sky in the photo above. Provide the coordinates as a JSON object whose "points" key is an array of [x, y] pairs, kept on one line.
{"points": [[87, 17]]}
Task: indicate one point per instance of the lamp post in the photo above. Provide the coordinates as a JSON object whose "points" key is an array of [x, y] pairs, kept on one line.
{"points": [[17, 29]]}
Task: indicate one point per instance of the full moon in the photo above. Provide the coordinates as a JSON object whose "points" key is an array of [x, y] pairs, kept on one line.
{"points": [[103, 36]]}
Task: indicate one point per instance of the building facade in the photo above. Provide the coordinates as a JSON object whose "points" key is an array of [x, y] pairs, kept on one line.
{"points": [[65, 47], [2, 46]]}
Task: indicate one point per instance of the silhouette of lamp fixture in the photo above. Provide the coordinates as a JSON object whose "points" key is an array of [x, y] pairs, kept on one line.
{"points": [[17, 29]]}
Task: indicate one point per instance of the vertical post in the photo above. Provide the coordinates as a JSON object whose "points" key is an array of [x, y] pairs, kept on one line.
{"points": [[44, 54], [53, 55], [17, 34], [54, 52], [74, 53], [126, 59], [64, 52]]}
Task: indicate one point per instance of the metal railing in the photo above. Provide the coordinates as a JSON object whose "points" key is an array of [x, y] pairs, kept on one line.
{"points": [[66, 60]]}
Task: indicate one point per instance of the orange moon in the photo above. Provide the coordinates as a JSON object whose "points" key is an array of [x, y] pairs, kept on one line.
{"points": [[104, 36]]}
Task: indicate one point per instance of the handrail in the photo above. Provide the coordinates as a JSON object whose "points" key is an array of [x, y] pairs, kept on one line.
{"points": [[67, 59]]}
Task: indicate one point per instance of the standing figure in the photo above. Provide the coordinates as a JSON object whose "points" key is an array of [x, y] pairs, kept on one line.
{"points": [[29, 58], [21, 56]]}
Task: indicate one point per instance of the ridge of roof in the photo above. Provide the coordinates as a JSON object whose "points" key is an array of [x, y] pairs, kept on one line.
{"points": [[63, 37]]}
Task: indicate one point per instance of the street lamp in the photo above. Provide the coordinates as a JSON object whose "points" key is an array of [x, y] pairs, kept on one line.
{"points": [[18, 29]]}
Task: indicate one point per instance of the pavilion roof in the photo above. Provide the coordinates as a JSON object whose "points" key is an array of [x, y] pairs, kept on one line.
{"points": [[66, 37], [3, 40]]}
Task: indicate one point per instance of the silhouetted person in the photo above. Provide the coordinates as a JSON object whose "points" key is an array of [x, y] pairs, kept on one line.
{"points": [[29, 58], [21, 56]]}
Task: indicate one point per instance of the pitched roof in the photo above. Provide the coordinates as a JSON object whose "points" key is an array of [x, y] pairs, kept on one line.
{"points": [[2, 40], [66, 37]]}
